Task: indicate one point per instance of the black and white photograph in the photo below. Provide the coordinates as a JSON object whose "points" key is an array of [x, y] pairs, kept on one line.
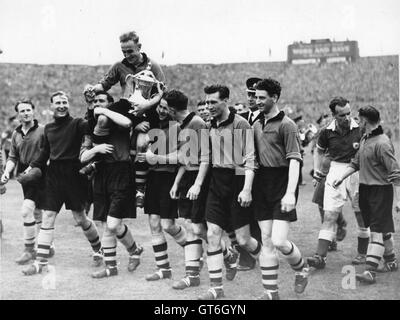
{"points": [[208, 150]]}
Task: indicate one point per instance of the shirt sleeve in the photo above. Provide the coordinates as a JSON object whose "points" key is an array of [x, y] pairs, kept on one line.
{"points": [[44, 154], [355, 162], [110, 78], [322, 142], [83, 127], [386, 153], [248, 147], [13, 155], [157, 71], [291, 140]]}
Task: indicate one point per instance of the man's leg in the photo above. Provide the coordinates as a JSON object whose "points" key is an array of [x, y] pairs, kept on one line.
{"points": [[90, 231], [269, 263], [362, 240], [45, 239], [141, 169], [27, 211], [193, 254], [246, 261], [214, 261], [326, 236], [160, 248], [280, 231], [389, 257], [247, 242], [109, 243]]}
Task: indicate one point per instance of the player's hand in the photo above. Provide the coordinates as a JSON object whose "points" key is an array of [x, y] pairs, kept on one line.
{"points": [[315, 182], [27, 170], [143, 127], [288, 202], [5, 177], [174, 192], [337, 182], [193, 192], [89, 93], [104, 148], [318, 175], [244, 198]]}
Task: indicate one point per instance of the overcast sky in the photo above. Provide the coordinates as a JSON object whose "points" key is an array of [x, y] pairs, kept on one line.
{"points": [[202, 31]]}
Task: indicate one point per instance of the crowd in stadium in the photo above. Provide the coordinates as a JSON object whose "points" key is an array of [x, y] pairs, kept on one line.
{"points": [[224, 168]]}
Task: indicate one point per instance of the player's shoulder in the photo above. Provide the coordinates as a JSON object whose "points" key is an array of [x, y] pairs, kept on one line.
{"points": [[240, 122]]}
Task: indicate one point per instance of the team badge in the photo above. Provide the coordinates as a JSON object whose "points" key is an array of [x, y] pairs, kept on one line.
{"points": [[356, 145]]}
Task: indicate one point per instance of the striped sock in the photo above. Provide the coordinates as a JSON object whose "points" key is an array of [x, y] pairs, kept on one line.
{"points": [[375, 251], [232, 237], [214, 262], [29, 234], [38, 218], [92, 235], [193, 252], [269, 264], [109, 242], [141, 170], [127, 240], [294, 258], [388, 243], [160, 248], [180, 236], [45, 239]]}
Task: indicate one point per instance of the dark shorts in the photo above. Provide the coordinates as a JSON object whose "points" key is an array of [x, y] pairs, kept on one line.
{"points": [[192, 209], [35, 190], [157, 199], [318, 195], [376, 204], [113, 191], [269, 187], [64, 185], [222, 207]]}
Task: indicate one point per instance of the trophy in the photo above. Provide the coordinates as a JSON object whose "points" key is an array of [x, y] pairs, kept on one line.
{"points": [[143, 83]]}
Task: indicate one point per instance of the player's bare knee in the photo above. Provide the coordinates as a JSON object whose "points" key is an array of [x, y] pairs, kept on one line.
{"points": [[199, 230], [279, 243], [49, 218], [214, 238], [242, 238], [37, 214], [27, 209], [330, 217], [169, 226]]}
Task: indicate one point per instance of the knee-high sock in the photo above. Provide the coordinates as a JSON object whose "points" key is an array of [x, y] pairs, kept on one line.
{"points": [[363, 240], [388, 243], [214, 262], [28, 207], [375, 251], [141, 169], [269, 265], [109, 242], [294, 258], [38, 219], [324, 240], [127, 240], [92, 235], [160, 248], [45, 239], [180, 236], [193, 252]]}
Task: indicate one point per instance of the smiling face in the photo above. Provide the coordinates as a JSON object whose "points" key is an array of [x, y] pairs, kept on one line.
{"points": [[215, 105], [25, 113], [163, 110], [264, 101], [101, 101], [131, 51], [60, 106], [203, 112]]}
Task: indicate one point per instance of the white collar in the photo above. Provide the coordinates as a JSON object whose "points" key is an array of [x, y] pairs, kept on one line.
{"points": [[255, 113], [332, 125]]}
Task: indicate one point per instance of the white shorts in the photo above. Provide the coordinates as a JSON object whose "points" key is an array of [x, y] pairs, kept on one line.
{"points": [[334, 199]]}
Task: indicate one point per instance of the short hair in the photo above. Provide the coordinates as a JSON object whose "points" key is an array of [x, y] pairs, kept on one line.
{"points": [[370, 113], [176, 100], [337, 101], [272, 86], [201, 103], [221, 89], [57, 93], [28, 101], [110, 99], [131, 35]]}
